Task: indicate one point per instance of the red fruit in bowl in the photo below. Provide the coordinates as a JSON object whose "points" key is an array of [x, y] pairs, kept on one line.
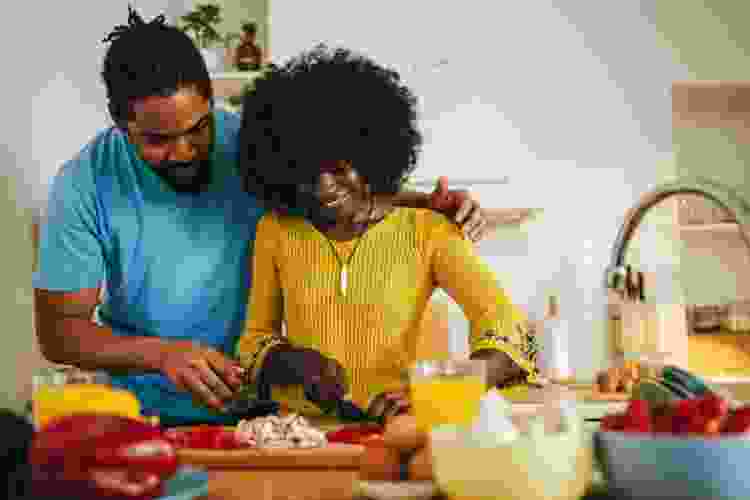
{"points": [[638, 408], [686, 408], [62, 453], [738, 422], [614, 422], [681, 424], [662, 424], [713, 406], [697, 424], [713, 427], [638, 416]]}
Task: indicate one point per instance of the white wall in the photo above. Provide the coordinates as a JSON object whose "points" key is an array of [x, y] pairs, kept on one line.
{"points": [[56, 92], [569, 99], [53, 103]]}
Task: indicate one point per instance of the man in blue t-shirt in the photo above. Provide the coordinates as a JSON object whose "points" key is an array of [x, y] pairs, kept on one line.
{"points": [[149, 229]]}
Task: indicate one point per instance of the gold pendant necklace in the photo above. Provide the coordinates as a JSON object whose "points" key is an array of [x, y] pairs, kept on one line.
{"points": [[343, 266]]}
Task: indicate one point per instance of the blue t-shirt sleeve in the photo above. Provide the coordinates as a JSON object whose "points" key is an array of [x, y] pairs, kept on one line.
{"points": [[71, 252]]}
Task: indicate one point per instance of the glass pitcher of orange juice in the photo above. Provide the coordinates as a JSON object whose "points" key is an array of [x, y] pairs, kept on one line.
{"points": [[447, 391]]}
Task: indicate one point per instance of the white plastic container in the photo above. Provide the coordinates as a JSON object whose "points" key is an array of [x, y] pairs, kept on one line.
{"points": [[553, 335]]}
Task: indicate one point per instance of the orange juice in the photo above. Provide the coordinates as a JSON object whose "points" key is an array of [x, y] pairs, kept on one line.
{"points": [[446, 399]]}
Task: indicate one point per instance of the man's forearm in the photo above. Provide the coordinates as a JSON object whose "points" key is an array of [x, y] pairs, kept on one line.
{"points": [[411, 199], [80, 342]]}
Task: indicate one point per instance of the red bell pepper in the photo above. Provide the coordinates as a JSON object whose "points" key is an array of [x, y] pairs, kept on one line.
{"points": [[63, 451]]}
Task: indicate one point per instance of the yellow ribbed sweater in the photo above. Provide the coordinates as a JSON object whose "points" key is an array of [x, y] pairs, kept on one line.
{"points": [[373, 329]]}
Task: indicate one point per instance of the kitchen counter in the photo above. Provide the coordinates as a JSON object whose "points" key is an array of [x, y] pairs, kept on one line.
{"points": [[343, 484]]}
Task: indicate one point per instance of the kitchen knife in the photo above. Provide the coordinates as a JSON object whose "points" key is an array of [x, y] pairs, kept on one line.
{"points": [[249, 408]]}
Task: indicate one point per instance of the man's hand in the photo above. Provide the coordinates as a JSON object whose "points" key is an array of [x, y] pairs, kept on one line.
{"points": [[389, 404], [203, 371], [461, 207], [324, 379]]}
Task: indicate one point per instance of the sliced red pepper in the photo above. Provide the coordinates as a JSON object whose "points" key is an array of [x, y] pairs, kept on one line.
{"points": [[179, 438], [225, 440], [354, 434]]}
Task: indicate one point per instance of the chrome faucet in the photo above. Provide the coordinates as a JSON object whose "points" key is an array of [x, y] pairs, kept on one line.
{"points": [[723, 195]]}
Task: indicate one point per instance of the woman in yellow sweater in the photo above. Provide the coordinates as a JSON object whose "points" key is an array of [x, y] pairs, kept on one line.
{"points": [[325, 134]]}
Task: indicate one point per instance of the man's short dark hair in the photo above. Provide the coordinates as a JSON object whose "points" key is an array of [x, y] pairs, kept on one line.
{"points": [[150, 59]]}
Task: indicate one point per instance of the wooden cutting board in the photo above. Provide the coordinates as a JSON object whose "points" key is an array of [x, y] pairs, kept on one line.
{"points": [[331, 456]]}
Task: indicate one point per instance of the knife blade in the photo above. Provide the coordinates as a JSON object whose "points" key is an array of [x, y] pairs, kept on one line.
{"points": [[250, 408]]}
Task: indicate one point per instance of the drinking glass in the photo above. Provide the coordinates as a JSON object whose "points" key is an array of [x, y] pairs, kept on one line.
{"points": [[447, 391]]}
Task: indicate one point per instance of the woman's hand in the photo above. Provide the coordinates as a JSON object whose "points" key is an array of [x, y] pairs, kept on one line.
{"points": [[205, 372], [389, 404], [323, 378], [500, 367]]}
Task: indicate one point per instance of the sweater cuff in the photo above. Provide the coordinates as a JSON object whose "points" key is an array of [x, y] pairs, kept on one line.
{"points": [[254, 360]]}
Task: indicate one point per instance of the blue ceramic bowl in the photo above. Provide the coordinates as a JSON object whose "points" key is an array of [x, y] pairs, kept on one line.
{"points": [[647, 466]]}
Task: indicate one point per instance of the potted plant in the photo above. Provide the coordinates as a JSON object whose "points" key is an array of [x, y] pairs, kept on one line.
{"points": [[201, 22]]}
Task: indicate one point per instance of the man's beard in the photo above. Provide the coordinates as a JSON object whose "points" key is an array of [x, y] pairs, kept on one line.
{"points": [[190, 177]]}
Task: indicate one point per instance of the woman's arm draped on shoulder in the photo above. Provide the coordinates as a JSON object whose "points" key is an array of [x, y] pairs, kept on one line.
{"points": [[496, 324], [265, 305], [67, 283]]}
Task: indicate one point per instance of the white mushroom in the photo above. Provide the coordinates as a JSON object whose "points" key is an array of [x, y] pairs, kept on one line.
{"points": [[291, 431]]}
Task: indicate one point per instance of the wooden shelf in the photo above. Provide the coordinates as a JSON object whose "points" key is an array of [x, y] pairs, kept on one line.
{"points": [[721, 227]]}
